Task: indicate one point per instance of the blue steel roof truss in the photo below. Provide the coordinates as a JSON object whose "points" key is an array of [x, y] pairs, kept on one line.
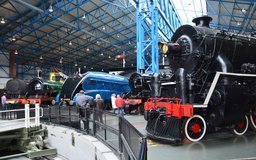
{"points": [[39, 32], [32, 28], [235, 16]]}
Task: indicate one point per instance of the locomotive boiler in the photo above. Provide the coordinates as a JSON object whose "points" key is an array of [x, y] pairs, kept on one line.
{"points": [[210, 83], [15, 87]]}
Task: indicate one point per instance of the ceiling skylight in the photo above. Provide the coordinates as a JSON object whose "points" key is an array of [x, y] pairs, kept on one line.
{"points": [[190, 9]]}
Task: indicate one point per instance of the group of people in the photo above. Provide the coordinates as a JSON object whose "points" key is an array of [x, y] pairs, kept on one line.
{"points": [[84, 101], [119, 104]]}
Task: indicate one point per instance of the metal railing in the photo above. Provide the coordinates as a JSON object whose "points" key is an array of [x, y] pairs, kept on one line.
{"points": [[26, 117], [113, 130]]}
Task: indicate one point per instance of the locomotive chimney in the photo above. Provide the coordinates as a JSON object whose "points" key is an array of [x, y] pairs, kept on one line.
{"points": [[203, 21], [39, 73]]}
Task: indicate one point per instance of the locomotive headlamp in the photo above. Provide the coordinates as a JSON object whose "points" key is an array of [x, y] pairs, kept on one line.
{"points": [[170, 46], [163, 47]]}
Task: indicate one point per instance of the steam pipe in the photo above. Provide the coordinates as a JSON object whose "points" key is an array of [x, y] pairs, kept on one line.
{"points": [[181, 84]]}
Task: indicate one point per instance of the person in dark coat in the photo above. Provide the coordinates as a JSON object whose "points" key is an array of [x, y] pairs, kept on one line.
{"points": [[83, 101], [99, 105]]}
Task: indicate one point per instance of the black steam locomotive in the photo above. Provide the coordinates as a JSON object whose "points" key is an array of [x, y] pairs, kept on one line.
{"points": [[212, 77], [37, 90]]}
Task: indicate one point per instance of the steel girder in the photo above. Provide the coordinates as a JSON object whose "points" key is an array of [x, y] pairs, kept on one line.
{"points": [[154, 18], [64, 8], [233, 19]]}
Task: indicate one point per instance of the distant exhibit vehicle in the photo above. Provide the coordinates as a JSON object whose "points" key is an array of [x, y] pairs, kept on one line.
{"points": [[94, 83], [38, 90]]}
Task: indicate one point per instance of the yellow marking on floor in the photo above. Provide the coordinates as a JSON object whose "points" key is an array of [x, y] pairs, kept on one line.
{"points": [[153, 144], [150, 142]]}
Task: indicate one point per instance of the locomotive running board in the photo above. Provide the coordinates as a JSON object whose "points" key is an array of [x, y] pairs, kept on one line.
{"points": [[214, 83]]}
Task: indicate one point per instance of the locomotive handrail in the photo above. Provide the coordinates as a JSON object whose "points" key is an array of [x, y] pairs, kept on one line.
{"points": [[177, 100], [215, 80]]}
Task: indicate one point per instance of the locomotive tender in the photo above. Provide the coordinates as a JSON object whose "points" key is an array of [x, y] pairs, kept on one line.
{"points": [[210, 84]]}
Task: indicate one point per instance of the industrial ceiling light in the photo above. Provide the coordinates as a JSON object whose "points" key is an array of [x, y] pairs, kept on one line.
{"points": [[117, 35], [41, 57], [83, 16], [253, 34], [131, 64], [102, 54], [16, 52], [75, 64], [88, 49], [50, 8], [70, 43], [103, 28], [61, 59], [243, 10], [13, 38], [109, 56], [129, 42], [2, 21], [239, 23], [92, 68], [115, 59]]}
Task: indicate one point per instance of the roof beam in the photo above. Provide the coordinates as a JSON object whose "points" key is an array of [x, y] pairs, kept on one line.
{"points": [[248, 19], [64, 22]]}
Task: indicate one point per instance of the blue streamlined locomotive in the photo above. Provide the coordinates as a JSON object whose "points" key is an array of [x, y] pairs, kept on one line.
{"points": [[212, 77], [95, 83]]}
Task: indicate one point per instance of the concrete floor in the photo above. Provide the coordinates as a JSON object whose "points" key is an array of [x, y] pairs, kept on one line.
{"points": [[217, 146]]}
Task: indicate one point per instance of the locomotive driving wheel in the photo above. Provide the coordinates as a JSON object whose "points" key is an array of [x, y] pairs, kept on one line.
{"points": [[195, 128], [241, 127], [252, 117]]}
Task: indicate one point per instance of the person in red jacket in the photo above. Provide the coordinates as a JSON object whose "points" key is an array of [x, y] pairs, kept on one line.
{"points": [[120, 105]]}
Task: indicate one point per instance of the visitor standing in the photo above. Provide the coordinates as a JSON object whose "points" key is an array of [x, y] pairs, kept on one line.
{"points": [[120, 105], [113, 102], [3, 101], [83, 101], [99, 105]]}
